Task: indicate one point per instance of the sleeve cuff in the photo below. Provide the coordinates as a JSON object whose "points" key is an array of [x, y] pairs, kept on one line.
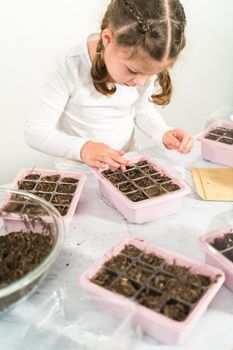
{"points": [[159, 140], [78, 146]]}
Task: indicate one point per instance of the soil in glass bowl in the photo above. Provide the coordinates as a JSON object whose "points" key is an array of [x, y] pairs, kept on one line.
{"points": [[149, 280], [29, 244], [20, 252], [141, 181]]}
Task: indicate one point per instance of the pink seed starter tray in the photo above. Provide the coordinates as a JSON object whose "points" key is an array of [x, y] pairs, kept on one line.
{"points": [[168, 296], [217, 143], [50, 185], [144, 192], [218, 249]]}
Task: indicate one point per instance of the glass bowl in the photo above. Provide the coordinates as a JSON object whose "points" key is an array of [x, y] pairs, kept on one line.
{"points": [[31, 233]]}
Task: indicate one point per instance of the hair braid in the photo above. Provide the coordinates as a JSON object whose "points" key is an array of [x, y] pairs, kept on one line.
{"points": [[164, 82], [143, 24], [99, 71]]}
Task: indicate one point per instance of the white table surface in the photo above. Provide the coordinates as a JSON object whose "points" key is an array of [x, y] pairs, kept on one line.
{"points": [[61, 316]]}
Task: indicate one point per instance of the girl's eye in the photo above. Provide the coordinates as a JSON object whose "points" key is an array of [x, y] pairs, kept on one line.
{"points": [[132, 72]]}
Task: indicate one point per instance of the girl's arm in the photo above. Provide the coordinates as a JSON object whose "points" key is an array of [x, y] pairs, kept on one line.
{"points": [[43, 136], [148, 120], [41, 131]]}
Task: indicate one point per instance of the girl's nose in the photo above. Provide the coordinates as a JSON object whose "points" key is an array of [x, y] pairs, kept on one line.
{"points": [[140, 80]]}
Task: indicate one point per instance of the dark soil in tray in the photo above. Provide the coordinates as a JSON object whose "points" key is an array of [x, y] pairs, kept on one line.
{"points": [[18, 198], [229, 254], [140, 273], [32, 177], [46, 186], [220, 134], [226, 140], [70, 180], [224, 244], [64, 199], [117, 178], [66, 188], [151, 299], [155, 191], [199, 280], [131, 250], [26, 185], [176, 310], [144, 182], [118, 263], [176, 270], [134, 174], [212, 137], [14, 207], [140, 182], [170, 186], [53, 188], [162, 179], [33, 209], [125, 286], [148, 279], [149, 169], [51, 178], [46, 196], [163, 282], [152, 259], [137, 196], [127, 187], [62, 209]]}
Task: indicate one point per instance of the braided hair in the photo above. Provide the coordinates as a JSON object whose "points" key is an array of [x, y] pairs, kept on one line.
{"points": [[156, 26]]}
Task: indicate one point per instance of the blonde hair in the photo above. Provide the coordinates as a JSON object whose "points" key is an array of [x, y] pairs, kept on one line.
{"points": [[156, 26]]}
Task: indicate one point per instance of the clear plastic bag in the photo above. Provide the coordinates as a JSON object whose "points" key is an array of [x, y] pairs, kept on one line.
{"points": [[61, 323], [221, 220], [224, 113]]}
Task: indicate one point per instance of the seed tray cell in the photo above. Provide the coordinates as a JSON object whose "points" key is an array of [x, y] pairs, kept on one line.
{"points": [[218, 249], [143, 192], [217, 143], [61, 189], [167, 302]]}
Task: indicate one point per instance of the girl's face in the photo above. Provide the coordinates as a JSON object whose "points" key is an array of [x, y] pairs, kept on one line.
{"points": [[129, 71]]}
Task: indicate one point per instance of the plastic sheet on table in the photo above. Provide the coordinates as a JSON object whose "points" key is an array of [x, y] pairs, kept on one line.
{"points": [[59, 323]]}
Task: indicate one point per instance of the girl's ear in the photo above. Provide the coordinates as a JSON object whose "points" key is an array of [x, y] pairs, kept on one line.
{"points": [[107, 37]]}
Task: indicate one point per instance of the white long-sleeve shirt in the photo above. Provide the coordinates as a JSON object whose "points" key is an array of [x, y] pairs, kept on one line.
{"points": [[72, 111]]}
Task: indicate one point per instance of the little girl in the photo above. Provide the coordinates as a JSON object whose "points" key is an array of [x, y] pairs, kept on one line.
{"points": [[101, 89]]}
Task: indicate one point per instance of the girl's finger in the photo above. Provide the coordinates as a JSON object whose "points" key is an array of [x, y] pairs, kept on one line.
{"points": [[129, 163], [97, 164], [119, 160], [111, 162], [123, 168], [186, 144], [172, 143], [184, 141]]}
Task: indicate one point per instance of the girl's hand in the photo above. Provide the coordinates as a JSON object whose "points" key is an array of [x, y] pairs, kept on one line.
{"points": [[97, 155], [179, 140]]}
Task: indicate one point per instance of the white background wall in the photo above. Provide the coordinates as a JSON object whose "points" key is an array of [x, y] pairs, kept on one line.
{"points": [[33, 32]]}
